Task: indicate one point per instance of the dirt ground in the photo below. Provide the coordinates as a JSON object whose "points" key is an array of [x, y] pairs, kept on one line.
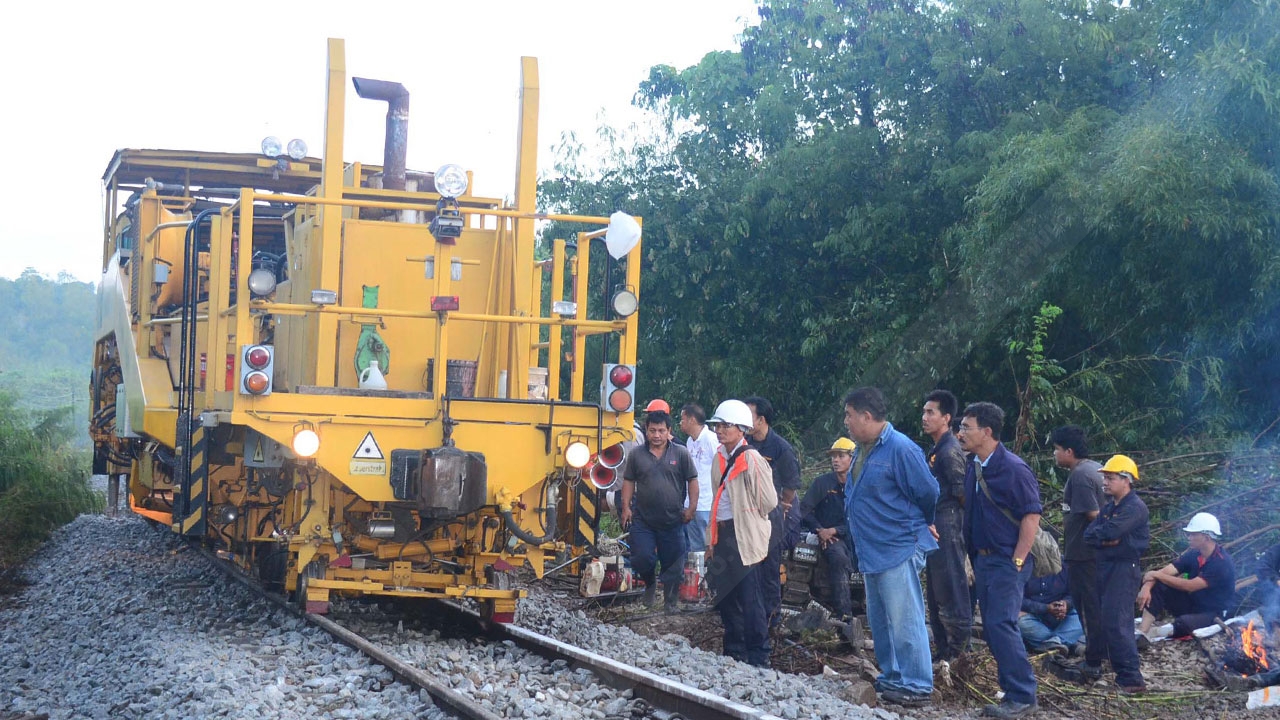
{"points": [[1174, 670]]}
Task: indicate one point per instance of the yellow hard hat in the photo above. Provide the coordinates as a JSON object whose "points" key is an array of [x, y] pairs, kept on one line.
{"points": [[844, 445], [1122, 464]]}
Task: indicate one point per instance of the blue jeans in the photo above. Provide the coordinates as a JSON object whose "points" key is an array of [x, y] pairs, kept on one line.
{"points": [[950, 609], [695, 531], [1039, 630], [1000, 587], [895, 612], [650, 545]]}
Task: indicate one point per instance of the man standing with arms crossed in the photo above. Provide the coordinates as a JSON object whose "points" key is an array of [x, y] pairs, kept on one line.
{"points": [[950, 611], [659, 476], [1082, 498], [890, 510], [1001, 523], [786, 481], [702, 450]]}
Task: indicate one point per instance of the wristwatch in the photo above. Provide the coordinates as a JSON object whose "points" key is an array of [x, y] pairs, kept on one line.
{"points": [[1018, 562]]}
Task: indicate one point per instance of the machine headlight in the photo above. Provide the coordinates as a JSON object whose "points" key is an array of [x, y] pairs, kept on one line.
{"points": [[271, 146], [297, 149], [451, 180], [577, 455], [306, 443], [262, 282], [625, 303]]}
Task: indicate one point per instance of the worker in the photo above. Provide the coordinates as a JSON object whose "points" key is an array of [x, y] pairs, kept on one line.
{"points": [[1082, 500], [1001, 521], [786, 482], [1049, 621], [890, 511], [950, 607], [659, 476], [1119, 535], [738, 536], [1268, 572], [822, 512], [1195, 589], [702, 450]]}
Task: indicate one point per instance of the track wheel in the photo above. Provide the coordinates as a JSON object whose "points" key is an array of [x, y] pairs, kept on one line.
{"points": [[314, 569]]}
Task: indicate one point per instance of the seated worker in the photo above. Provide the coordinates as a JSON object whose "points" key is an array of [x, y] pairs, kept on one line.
{"points": [[1193, 601], [1268, 571], [1049, 621], [822, 512]]}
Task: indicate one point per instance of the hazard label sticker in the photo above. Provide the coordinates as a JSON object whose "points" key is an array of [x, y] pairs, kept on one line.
{"points": [[368, 449], [368, 458]]}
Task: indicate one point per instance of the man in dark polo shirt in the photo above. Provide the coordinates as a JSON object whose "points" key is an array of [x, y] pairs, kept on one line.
{"points": [[822, 512], [950, 609], [1203, 594], [786, 481], [1082, 499], [659, 477], [1000, 489]]}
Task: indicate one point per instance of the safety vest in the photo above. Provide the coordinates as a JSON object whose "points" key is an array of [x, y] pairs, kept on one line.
{"points": [[739, 467]]}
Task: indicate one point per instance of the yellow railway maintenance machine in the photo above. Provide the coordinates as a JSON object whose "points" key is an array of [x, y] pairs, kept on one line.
{"points": [[337, 373]]}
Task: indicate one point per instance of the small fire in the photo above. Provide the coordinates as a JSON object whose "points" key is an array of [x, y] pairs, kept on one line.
{"points": [[1251, 643]]}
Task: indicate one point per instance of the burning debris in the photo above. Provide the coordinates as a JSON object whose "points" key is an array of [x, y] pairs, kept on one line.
{"points": [[1245, 662]]}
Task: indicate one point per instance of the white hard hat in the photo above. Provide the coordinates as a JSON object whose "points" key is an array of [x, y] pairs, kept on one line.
{"points": [[734, 412], [1204, 523]]}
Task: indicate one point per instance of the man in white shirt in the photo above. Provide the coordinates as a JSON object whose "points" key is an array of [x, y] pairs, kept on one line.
{"points": [[702, 449]]}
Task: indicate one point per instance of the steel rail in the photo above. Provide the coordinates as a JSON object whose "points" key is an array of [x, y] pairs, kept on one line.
{"points": [[675, 699]]}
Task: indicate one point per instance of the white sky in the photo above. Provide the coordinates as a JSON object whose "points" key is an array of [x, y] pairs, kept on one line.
{"points": [[86, 80]]}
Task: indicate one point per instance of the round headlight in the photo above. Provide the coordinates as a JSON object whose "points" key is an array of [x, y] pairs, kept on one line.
{"points": [[306, 443], [262, 282], [625, 303], [297, 149], [271, 146], [577, 454], [451, 180]]}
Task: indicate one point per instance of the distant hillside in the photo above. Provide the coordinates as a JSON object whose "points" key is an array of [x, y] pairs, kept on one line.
{"points": [[45, 341]]}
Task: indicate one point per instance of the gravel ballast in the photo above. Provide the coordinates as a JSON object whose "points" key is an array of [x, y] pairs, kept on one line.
{"points": [[125, 620]]}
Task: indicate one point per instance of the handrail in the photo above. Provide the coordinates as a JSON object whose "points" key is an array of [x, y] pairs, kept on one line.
{"points": [[425, 205], [303, 309]]}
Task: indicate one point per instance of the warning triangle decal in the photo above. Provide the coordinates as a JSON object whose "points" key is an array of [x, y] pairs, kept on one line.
{"points": [[368, 449], [257, 453]]}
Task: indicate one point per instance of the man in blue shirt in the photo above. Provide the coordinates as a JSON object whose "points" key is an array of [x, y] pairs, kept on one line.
{"points": [[890, 507], [1000, 489]]}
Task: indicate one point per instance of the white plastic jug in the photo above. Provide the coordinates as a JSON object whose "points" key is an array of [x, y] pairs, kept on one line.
{"points": [[371, 378]]}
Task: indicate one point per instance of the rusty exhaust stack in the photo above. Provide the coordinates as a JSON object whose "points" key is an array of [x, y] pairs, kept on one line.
{"points": [[396, 150]]}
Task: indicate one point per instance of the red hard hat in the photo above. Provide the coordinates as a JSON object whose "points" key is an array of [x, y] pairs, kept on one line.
{"points": [[658, 404]]}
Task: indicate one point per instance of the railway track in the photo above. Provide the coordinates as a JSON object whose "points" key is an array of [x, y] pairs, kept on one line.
{"points": [[651, 695]]}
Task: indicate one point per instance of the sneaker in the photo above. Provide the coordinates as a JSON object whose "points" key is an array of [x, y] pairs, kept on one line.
{"points": [[902, 697], [1054, 646], [1078, 649], [1143, 642], [1008, 709]]}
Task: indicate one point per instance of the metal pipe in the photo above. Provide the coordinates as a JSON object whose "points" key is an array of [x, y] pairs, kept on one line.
{"points": [[429, 206], [395, 151]]}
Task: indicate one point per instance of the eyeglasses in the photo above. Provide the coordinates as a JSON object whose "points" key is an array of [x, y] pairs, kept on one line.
{"points": [[718, 426], [968, 428]]}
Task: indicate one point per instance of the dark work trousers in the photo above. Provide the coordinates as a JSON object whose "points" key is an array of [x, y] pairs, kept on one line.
{"points": [[771, 568], [839, 557], [650, 545], [947, 585], [1000, 588], [1118, 583], [1177, 603], [1082, 583], [1269, 602], [738, 598]]}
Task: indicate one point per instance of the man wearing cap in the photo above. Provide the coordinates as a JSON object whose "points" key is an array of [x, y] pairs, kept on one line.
{"points": [[1203, 594], [890, 511], [786, 481], [1002, 516], [738, 536], [659, 476], [1119, 535], [950, 609], [822, 512], [702, 450]]}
